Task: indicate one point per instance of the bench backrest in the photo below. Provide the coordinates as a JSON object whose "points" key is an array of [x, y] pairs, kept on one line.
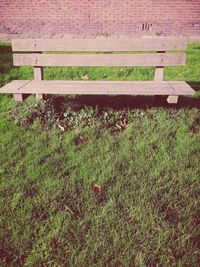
{"points": [[156, 57]]}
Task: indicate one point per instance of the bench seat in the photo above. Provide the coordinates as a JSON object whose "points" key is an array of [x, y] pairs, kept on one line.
{"points": [[173, 88]]}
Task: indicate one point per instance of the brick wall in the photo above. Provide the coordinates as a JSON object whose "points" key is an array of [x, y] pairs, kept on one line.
{"points": [[100, 17]]}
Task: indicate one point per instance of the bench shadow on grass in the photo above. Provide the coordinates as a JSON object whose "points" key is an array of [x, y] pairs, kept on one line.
{"points": [[131, 102]]}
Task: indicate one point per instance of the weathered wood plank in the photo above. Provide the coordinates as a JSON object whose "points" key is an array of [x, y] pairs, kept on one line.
{"points": [[37, 59], [181, 88], [108, 44], [38, 75], [99, 87], [159, 71]]}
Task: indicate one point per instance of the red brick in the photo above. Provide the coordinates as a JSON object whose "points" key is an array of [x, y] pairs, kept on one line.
{"points": [[100, 17]]}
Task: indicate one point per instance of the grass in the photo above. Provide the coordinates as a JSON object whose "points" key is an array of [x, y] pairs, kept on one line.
{"points": [[96, 195]]}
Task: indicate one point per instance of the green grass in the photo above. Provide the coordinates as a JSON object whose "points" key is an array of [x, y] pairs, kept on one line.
{"points": [[146, 213]]}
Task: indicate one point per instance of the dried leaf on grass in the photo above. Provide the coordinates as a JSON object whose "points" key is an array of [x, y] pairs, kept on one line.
{"points": [[85, 77], [118, 126], [122, 124], [96, 187], [80, 140], [63, 127]]}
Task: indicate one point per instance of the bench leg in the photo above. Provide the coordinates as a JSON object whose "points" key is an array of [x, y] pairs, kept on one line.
{"points": [[172, 99], [18, 97], [39, 96]]}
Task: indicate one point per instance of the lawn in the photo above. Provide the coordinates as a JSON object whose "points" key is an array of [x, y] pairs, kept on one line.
{"points": [[100, 181]]}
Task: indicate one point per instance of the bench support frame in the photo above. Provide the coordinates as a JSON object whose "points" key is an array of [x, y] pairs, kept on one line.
{"points": [[159, 75], [38, 75], [37, 57], [18, 97], [172, 99]]}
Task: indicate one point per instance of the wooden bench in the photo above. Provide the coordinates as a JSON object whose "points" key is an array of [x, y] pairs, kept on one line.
{"points": [[30, 52]]}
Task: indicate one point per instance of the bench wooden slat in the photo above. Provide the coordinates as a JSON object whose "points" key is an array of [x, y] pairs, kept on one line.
{"points": [[107, 44], [98, 87], [35, 59], [181, 88]]}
